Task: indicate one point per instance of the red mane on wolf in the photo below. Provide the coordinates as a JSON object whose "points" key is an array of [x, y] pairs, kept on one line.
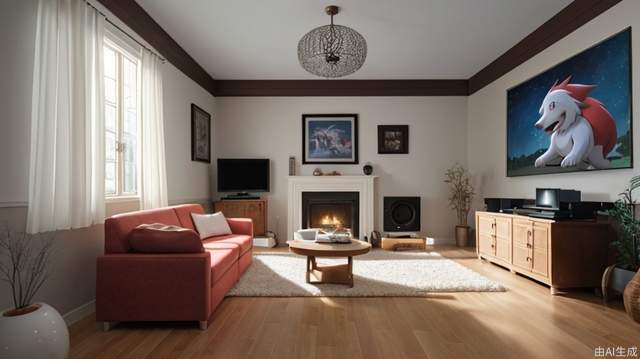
{"points": [[604, 127]]}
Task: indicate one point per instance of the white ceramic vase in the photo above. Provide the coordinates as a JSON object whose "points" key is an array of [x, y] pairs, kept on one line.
{"points": [[38, 334]]}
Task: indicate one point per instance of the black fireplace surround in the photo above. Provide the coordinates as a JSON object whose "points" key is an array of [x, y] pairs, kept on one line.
{"points": [[341, 205]]}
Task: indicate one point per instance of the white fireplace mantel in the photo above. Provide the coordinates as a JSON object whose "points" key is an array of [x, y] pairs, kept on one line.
{"points": [[364, 185]]}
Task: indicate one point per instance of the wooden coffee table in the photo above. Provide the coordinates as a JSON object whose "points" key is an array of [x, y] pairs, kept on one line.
{"points": [[337, 274]]}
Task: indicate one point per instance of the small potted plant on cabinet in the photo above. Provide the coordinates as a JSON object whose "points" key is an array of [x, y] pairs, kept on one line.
{"points": [[29, 329], [626, 245], [460, 195]]}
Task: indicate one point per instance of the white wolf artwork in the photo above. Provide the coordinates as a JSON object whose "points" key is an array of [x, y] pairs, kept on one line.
{"points": [[583, 133]]}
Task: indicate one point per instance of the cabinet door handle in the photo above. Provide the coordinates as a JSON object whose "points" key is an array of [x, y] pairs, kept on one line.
{"points": [[528, 259], [492, 246], [528, 245]]}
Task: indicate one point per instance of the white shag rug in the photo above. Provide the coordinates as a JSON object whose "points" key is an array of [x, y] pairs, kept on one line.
{"points": [[376, 274]]}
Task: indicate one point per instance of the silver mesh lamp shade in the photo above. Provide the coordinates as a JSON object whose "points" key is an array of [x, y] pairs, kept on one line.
{"points": [[332, 50]]}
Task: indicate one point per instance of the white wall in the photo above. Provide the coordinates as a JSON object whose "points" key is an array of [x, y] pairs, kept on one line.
{"points": [[487, 117], [72, 283], [271, 127]]}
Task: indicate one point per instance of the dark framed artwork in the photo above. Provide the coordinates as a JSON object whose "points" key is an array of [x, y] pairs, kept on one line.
{"points": [[330, 139], [200, 134], [575, 116], [393, 139]]}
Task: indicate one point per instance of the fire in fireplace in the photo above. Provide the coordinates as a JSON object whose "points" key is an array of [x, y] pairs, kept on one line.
{"points": [[330, 210]]}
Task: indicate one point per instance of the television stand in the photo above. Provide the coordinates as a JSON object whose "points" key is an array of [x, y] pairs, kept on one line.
{"points": [[256, 209]]}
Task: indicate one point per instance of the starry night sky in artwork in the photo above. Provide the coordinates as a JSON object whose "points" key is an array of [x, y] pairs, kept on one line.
{"points": [[606, 65]]}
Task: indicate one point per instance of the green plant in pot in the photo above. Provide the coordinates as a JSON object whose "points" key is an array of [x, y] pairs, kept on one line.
{"points": [[461, 194], [626, 244], [29, 329]]}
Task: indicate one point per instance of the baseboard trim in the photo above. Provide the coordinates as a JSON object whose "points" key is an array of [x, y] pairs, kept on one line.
{"points": [[79, 313]]}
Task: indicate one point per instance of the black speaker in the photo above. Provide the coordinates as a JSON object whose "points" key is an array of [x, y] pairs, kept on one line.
{"points": [[402, 214]]}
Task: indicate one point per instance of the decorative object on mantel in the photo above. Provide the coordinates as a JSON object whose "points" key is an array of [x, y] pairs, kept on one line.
{"points": [[332, 50], [29, 330], [367, 169], [200, 135], [317, 172], [460, 195], [627, 248], [393, 139], [330, 139], [333, 173], [292, 165]]}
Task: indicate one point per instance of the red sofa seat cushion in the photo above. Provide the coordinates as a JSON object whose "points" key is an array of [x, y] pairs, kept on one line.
{"points": [[161, 238], [221, 260], [244, 242]]}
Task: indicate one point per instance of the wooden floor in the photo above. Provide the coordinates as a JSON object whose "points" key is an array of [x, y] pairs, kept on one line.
{"points": [[524, 322]]}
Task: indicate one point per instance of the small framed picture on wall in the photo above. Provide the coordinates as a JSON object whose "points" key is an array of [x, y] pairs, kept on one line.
{"points": [[330, 139], [393, 139], [200, 135]]}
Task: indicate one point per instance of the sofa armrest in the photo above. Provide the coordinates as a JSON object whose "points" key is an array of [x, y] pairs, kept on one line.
{"points": [[140, 287], [241, 226]]}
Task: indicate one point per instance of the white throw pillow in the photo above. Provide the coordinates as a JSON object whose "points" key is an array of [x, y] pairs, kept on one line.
{"points": [[209, 225]]}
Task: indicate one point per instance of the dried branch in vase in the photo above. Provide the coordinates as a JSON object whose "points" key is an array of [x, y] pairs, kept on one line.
{"points": [[24, 263]]}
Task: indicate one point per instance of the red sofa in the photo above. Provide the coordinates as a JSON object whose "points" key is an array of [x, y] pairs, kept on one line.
{"points": [[168, 287]]}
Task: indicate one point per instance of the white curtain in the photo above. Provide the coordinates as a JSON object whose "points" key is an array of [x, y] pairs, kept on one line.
{"points": [[66, 172], [153, 188]]}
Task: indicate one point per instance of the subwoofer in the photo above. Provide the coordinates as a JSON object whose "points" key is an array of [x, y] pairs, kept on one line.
{"points": [[402, 214]]}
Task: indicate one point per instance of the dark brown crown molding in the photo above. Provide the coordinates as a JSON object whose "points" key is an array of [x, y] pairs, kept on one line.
{"points": [[135, 17], [572, 17], [341, 88]]}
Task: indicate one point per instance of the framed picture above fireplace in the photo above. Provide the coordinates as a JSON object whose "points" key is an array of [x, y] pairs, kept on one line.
{"points": [[330, 139]]}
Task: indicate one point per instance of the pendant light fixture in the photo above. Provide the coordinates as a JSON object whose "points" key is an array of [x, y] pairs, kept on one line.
{"points": [[332, 50]]}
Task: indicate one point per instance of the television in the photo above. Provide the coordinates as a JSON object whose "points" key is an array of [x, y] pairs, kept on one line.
{"points": [[243, 175], [575, 116]]}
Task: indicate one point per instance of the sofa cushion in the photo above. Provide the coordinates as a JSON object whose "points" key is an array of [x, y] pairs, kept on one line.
{"points": [[118, 227], [184, 211], [211, 224], [221, 260], [244, 242], [161, 238]]}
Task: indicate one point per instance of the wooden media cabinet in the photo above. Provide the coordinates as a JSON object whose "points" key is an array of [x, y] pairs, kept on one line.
{"points": [[560, 254]]}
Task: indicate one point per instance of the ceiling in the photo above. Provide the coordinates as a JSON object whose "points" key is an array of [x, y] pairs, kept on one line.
{"points": [[406, 39]]}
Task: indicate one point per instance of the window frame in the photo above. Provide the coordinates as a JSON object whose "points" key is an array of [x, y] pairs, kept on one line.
{"points": [[124, 51]]}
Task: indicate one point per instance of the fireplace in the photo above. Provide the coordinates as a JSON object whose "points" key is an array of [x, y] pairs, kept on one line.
{"points": [[331, 209]]}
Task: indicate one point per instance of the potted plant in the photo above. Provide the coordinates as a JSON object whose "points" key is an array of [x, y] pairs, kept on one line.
{"points": [[29, 329], [626, 244], [460, 195]]}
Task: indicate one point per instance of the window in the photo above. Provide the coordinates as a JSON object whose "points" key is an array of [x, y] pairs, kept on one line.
{"points": [[121, 94]]}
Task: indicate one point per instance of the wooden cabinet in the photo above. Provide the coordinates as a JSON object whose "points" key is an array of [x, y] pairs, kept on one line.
{"points": [[538, 253], [495, 236], [503, 239], [530, 243], [256, 209], [486, 232], [563, 254]]}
